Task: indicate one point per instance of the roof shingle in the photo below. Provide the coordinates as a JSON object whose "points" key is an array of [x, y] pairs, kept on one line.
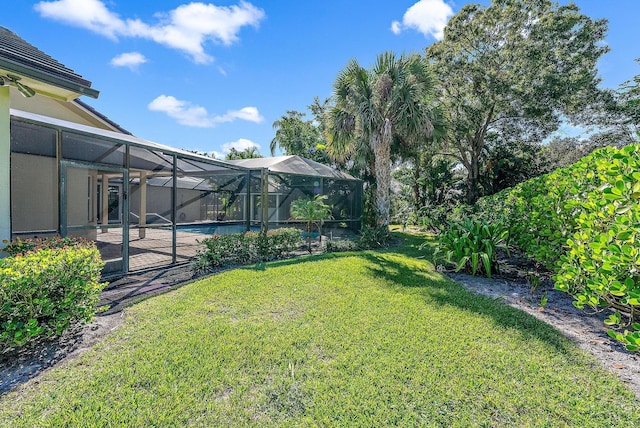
{"points": [[21, 57]]}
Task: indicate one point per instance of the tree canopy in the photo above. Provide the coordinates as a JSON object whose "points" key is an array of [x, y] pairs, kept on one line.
{"points": [[297, 136], [514, 70], [247, 153], [389, 103]]}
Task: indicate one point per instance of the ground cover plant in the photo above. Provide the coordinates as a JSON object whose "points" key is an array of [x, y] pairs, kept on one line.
{"points": [[375, 338], [45, 286]]}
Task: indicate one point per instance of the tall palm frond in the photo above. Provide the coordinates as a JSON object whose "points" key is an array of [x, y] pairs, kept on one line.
{"points": [[377, 109]]}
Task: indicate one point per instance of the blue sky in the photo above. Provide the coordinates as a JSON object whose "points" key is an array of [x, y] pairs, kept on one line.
{"points": [[208, 76]]}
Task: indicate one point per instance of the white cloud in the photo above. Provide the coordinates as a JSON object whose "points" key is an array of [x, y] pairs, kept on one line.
{"points": [[185, 28], [90, 14], [129, 59], [239, 145], [189, 114], [396, 27], [429, 17], [250, 114]]}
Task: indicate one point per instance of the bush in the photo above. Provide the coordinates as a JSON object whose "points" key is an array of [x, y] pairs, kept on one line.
{"points": [[372, 237], [21, 247], [472, 245], [246, 248], [433, 218], [583, 221], [44, 291], [341, 246]]}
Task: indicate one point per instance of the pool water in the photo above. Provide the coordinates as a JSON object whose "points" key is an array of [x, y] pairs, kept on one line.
{"points": [[220, 229]]}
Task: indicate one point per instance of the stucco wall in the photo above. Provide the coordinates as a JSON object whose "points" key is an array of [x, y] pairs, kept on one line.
{"points": [[51, 107], [159, 201], [34, 193]]}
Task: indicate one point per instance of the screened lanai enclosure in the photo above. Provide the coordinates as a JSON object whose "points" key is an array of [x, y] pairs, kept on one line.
{"points": [[288, 178], [147, 205]]}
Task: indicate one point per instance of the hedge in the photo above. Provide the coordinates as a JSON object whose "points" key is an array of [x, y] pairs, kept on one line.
{"points": [[43, 292], [246, 248], [583, 222]]}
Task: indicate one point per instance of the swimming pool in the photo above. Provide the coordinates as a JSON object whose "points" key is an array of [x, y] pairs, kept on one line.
{"points": [[220, 229]]}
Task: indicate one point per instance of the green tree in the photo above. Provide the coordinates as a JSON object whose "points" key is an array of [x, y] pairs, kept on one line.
{"points": [[514, 70], [297, 136], [506, 163], [388, 105], [619, 121], [247, 153], [629, 101], [427, 180], [312, 211]]}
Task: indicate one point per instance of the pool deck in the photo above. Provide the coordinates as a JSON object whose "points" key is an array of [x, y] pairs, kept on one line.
{"points": [[154, 250]]}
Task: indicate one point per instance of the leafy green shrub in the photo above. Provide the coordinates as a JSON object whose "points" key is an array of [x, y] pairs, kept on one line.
{"points": [[472, 245], [583, 221], [601, 266], [341, 246], [246, 248], [20, 246], [374, 237], [432, 218], [45, 290], [277, 243]]}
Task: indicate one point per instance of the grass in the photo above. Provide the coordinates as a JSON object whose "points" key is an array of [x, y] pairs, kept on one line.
{"points": [[374, 338]]}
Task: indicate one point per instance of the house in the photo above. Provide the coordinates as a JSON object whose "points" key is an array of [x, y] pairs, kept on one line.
{"points": [[67, 169]]}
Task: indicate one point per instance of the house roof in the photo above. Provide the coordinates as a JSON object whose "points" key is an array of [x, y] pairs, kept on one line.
{"points": [[101, 116], [40, 71], [293, 165]]}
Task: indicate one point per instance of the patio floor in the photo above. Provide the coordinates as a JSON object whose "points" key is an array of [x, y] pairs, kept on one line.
{"points": [[154, 250]]}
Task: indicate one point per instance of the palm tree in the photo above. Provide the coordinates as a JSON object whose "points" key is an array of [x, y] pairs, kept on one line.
{"points": [[375, 109], [312, 211], [250, 152]]}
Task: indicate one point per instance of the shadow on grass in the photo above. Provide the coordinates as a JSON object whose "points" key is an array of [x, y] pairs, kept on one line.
{"points": [[444, 291], [295, 260], [389, 265]]}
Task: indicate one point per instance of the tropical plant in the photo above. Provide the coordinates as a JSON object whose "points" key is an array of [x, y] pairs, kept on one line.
{"points": [[472, 245], [512, 70], [428, 185], [313, 212], [297, 136], [250, 152], [377, 109], [583, 222], [374, 237]]}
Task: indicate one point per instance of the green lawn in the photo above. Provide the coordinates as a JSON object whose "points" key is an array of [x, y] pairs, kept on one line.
{"points": [[357, 339]]}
